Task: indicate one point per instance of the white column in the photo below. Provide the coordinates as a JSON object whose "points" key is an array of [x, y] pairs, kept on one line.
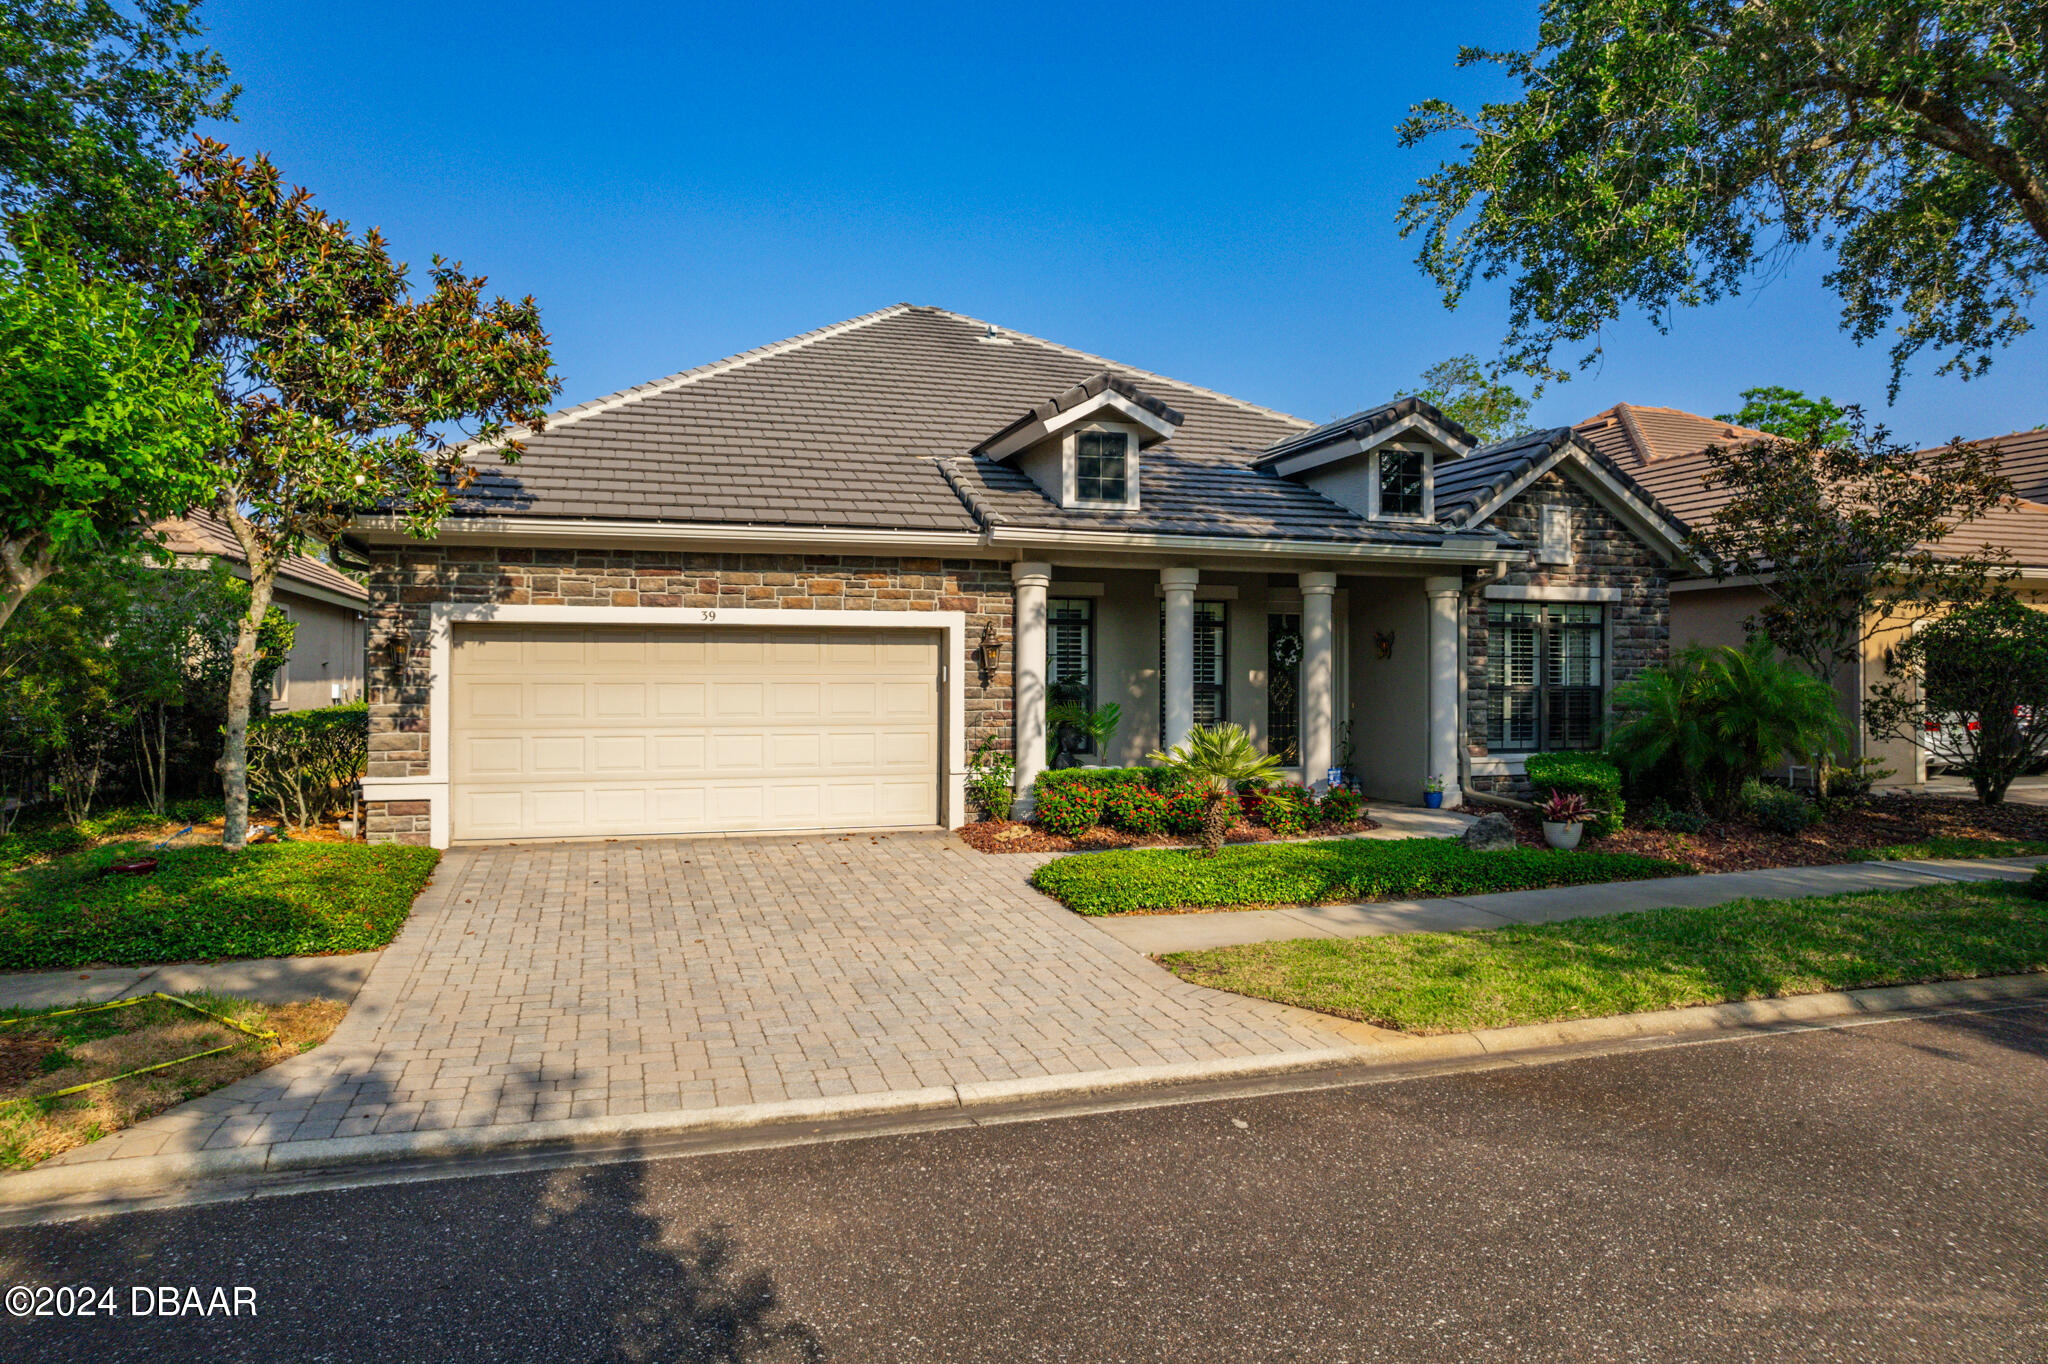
{"points": [[1318, 677], [1027, 676], [1177, 585], [1446, 600]]}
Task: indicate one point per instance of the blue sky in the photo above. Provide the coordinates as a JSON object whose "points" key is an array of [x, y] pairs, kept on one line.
{"points": [[1207, 191]]}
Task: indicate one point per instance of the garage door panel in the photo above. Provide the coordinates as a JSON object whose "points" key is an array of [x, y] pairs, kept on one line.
{"points": [[616, 731], [678, 700], [557, 700]]}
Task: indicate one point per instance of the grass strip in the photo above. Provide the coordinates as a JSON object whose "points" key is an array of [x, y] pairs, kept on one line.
{"points": [[1633, 963], [1324, 872], [71, 1076], [1952, 849], [204, 903]]}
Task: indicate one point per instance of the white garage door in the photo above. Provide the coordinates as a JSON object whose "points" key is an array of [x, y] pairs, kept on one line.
{"points": [[579, 732]]}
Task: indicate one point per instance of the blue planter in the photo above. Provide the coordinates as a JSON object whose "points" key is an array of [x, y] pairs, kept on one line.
{"points": [[1433, 799]]}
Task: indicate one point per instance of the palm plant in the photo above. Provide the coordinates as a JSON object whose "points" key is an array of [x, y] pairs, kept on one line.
{"points": [[1711, 719], [1217, 761]]}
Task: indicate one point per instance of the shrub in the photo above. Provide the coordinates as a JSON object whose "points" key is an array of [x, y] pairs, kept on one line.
{"points": [[1339, 805], [1185, 806], [1661, 814], [1777, 809], [1331, 870], [1070, 811], [992, 780], [305, 760], [2037, 884], [1582, 774], [1153, 778], [1286, 810], [1134, 809]]}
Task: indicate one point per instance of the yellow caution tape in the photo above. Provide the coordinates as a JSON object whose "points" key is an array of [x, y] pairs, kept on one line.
{"points": [[139, 1070], [261, 1035]]}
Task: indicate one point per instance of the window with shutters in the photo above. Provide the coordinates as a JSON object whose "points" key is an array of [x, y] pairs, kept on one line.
{"points": [[1070, 650], [1210, 665], [1546, 671]]}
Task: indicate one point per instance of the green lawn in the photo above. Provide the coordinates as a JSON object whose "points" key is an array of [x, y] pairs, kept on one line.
{"points": [[1952, 849], [1331, 871], [44, 834], [1633, 963], [271, 900]]}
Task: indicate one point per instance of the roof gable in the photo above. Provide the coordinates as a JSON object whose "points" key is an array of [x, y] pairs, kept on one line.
{"points": [[1471, 490]]}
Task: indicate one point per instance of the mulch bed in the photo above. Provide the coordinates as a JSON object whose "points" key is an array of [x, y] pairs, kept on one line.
{"points": [[1013, 836], [1888, 819]]}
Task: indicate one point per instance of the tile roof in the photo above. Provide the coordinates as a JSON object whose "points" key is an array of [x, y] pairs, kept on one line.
{"points": [[1664, 450], [838, 427], [1092, 387], [1178, 495], [204, 532], [1364, 424]]}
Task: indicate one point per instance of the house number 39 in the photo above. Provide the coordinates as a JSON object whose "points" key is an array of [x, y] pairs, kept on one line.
{"points": [[710, 615]]}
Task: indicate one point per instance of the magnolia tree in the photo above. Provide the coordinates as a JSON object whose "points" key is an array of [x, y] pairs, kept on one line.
{"points": [[1973, 686], [1845, 538], [349, 393], [106, 425]]}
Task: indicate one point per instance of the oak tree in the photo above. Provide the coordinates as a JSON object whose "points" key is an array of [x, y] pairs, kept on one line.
{"points": [[1662, 152]]}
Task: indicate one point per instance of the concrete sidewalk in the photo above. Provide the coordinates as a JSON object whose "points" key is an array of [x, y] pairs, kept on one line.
{"points": [[1153, 933], [272, 980]]}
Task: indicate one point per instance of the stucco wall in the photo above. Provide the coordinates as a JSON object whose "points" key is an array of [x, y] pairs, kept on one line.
{"points": [[1389, 697], [406, 580]]}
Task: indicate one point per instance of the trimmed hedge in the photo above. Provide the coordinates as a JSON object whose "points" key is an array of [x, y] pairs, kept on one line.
{"points": [[1152, 778], [1323, 872], [1585, 774], [1070, 811]]}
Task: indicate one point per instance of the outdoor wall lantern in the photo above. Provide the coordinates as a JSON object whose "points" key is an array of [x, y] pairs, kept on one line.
{"points": [[400, 645], [987, 651], [1383, 643]]}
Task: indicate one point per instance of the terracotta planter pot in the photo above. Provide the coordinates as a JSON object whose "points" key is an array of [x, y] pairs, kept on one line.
{"points": [[1562, 836]]}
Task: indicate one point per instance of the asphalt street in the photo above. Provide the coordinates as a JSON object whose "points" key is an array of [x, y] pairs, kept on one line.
{"points": [[1868, 1193]]}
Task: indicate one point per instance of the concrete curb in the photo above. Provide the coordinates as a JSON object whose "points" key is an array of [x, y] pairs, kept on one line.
{"points": [[63, 1188]]}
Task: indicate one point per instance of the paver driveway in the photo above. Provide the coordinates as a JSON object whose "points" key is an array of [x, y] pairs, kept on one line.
{"points": [[572, 980]]}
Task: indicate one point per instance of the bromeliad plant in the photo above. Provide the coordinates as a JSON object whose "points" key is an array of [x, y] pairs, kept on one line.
{"points": [[1216, 763], [1567, 807]]}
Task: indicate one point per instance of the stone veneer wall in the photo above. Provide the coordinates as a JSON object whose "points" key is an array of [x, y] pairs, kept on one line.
{"points": [[405, 580], [1605, 553]]}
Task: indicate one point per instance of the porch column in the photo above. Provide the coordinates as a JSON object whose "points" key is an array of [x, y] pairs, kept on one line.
{"points": [[1318, 678], [1177, 680], [1027, 676], [1446, 600]]}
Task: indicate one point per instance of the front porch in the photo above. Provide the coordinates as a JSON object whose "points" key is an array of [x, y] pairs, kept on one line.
{"points": [[1325, 666]]}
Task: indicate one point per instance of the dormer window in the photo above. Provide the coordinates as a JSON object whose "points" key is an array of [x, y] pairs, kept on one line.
{"points": [[1404, 482], [1081, 446], [1100, 467]]}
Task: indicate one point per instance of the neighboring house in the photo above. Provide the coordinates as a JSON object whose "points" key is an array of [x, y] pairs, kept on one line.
{"points": [[798, 588], [325, 606], [1664, 450]]}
